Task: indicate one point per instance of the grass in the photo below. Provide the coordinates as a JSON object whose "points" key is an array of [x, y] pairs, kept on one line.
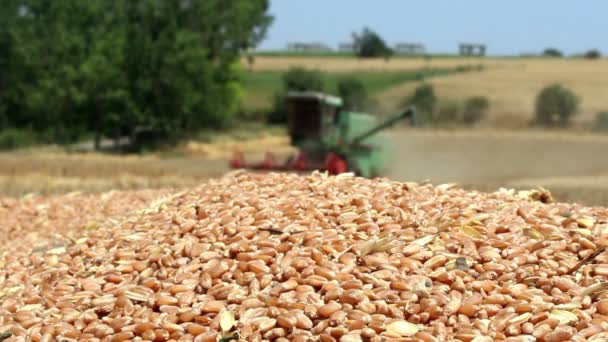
{"points": [[260, 86]]}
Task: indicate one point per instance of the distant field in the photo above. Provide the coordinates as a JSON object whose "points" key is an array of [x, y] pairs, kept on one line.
{"points": [[511, 84], [350, 64], [260, 86], [283, 53]]}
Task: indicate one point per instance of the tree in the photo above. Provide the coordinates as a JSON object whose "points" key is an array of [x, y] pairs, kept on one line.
{"points": [[71, 67], [353, 93], [556, 104], [593, 54], [187, 59], [552, 52], [369, 44], [302, 79]]}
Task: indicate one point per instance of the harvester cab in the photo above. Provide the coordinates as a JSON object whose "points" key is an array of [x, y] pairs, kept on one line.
{"points": [[330, 138]]}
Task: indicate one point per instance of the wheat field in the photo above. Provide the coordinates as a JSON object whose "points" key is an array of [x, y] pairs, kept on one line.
{"points": [[571, 165], [510, 84]]}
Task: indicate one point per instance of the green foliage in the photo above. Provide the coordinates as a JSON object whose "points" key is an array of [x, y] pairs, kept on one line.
{"points": [[301, 79], [593, 54], [70, 67], [475, 108], [552, 52], [369, 44], [11, 139], [353, 93], [601, 121], [556, 104], [425, 102]]}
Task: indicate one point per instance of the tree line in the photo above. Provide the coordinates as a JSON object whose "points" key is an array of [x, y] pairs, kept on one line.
{"points": [[73, 68]]}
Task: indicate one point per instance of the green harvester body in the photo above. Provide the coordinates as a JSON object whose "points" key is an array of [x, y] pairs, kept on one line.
{"points": [[318, 126], [330, 138]]}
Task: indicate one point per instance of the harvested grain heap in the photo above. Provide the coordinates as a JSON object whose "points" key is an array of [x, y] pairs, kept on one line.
{"points": [[285, 257]]}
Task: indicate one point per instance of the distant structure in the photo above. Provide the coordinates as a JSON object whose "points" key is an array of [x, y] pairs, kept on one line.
{"points": [[346, 47], [307, 47], [468, 49], [410, 48]]}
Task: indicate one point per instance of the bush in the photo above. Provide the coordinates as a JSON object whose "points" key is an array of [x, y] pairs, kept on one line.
{"points": [[556, 104], [353, 94], [425, 101], [593, 54], [475, 108], [301, 79], [601, 121], [370, 44], [552, 52], [11, 139]]}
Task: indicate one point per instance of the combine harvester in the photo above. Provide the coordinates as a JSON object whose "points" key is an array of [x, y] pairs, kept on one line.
{"points": [[329, 138]]}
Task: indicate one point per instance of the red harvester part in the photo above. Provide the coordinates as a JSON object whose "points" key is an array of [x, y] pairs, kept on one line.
{"points": [[238, 160], [334, 164], [301, 162], [269, 162]]}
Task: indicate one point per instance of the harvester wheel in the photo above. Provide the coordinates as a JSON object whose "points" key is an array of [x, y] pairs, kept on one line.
{"points": [[335, 164]]}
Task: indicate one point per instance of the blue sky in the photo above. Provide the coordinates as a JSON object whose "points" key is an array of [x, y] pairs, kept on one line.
{"points": [[507, 27]]}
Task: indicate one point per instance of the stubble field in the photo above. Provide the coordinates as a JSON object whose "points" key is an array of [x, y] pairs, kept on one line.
{"points": [[571, 165]]}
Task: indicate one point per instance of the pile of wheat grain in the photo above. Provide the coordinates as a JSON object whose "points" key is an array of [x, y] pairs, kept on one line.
{"points": [[281, 257]]}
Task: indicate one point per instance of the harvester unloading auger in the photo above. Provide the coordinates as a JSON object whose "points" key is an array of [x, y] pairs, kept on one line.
{"points": [[329, 138]]}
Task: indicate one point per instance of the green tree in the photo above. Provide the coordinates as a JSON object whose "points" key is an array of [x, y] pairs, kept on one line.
{"points": [[556, 104], [353, 93], [186, 63], [9, 66], [593, 54], [71, 67], [302, 79], [369, 44], [552, 52]]}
